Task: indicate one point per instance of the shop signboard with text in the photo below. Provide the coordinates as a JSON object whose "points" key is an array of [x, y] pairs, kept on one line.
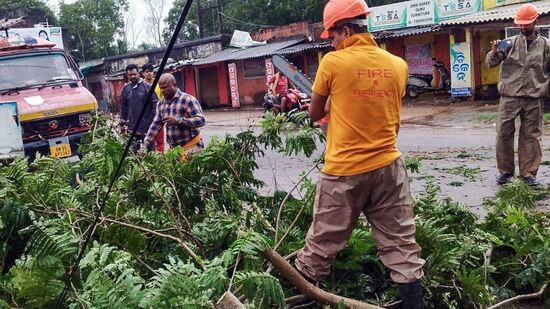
{"points": [[233, 85], [449, 9], [385, 17], [420, 13], [461, 70], [419, 58]]}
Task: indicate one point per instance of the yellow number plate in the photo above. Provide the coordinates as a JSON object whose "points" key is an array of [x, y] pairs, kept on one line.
{"points": [[60, 151]]}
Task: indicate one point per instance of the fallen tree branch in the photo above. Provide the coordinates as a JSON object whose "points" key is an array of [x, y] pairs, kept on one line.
{"points": [[229, 301], [146, 230], [521, 297], [308, 289]]}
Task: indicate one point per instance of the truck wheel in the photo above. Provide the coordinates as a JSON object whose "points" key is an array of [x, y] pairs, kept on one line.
{"points": [[412, 92]]}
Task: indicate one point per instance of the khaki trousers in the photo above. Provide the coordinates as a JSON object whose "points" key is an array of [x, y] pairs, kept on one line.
{"points": [[530, 132], [383, 195]]}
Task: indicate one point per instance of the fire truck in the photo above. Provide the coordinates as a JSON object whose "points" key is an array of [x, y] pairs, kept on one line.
{"points": [[54, 107]]}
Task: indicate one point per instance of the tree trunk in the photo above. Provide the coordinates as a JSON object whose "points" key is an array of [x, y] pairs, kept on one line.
{"points": [[308, 289]]}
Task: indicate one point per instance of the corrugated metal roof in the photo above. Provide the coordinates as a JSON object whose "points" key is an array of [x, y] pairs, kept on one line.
{"points": [[405, 32], [298, 48], [248, 53], [501, 13], [224, 55], [266, 50]]}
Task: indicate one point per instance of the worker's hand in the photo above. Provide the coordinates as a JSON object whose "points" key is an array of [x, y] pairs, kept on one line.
{"points": [[494, 45], [170, 120]]}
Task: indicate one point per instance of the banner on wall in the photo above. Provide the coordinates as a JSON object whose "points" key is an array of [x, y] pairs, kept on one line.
{"points": [[448, 9], [233, 85], [390, 16], [420, 13], [419, 58], [461, 66]]}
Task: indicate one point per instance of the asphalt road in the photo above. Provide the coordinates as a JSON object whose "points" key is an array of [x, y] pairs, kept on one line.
{"points": [[455, 143]]}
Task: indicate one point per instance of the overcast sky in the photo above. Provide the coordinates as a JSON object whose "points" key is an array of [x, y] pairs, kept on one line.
{"points": [[138, 6]]}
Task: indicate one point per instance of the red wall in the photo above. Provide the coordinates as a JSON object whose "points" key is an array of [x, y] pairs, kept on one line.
{"points": [[189, 84], [441, 50], [223, 84], [251, 90], [396, 47]]}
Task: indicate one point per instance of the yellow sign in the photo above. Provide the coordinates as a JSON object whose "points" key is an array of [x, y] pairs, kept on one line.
{"points": [[60, 151]]}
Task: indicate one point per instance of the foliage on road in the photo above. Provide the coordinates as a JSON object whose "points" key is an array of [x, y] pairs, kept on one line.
{"points": [[179, 234]]}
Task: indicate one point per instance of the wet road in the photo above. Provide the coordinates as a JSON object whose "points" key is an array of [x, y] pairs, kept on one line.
{"points": [[456, 147]]}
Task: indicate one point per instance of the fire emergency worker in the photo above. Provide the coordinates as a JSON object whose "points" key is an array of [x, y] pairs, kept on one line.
{"points": [[363, 171], [524, 79]]}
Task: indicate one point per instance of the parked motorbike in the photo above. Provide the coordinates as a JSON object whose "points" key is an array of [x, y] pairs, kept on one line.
{"points": [[296, 100], [422, 83]]}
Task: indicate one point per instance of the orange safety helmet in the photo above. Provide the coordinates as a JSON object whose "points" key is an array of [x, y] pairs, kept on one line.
{"points": [[526, 14], [337, 10]]}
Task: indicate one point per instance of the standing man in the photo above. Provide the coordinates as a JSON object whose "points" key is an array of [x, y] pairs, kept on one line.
{"points": [[133, 98], [363, 171], [149, 77], [182, 115], [524, 79]]}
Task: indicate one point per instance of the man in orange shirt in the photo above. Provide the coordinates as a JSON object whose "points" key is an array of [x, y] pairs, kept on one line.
{"points": [[363, 171]]}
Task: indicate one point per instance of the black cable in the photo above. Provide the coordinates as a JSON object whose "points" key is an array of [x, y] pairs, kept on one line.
{"points": [[92, 227]]}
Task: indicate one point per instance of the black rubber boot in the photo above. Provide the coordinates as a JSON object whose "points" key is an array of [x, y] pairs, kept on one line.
{"points": [[411, 295]]}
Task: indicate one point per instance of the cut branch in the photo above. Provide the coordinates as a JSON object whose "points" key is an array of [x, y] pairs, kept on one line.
{"points": [[521, 297], [309, 289]]}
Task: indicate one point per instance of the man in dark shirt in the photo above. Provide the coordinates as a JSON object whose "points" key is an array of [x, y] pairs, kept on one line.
{"points": [[133, 99]]}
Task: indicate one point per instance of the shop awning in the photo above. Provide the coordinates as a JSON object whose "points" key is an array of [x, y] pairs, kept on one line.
{"points": [[405, 32], [501, 13], [298, 48], [87, 66], [248, 53]]}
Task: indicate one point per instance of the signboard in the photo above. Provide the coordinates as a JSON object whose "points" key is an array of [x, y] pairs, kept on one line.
{"points": [[11, 140], [388, 17], [419, 58], [448, 9], [507, 2], [461, 66], [420, 13], [269, 69], [233, 85], [52, 34]]}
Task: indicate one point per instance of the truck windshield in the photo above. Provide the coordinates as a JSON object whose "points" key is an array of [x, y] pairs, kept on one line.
{"points": [[33, 70]]}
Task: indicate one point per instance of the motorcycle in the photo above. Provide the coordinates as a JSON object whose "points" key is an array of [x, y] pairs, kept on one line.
{"points": [[418, 84], [296, 100]]}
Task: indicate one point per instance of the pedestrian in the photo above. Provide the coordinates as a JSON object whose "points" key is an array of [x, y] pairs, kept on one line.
{"points": [[523, 82], [133, 99], [149, 76], [363, 171], [278, 85], [182, 115]]}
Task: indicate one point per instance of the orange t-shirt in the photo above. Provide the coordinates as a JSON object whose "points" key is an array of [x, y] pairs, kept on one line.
{"points": [[366, 85]]}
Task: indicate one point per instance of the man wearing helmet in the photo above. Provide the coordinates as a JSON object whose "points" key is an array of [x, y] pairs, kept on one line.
{"points": [[363, 172], [524, 79]]}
